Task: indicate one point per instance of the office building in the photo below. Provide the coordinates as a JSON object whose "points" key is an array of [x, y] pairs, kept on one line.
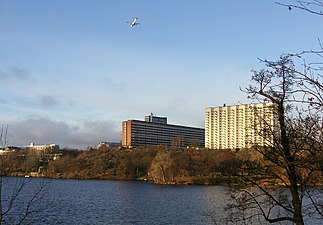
{"points": [[240, 126], [155, 131]]}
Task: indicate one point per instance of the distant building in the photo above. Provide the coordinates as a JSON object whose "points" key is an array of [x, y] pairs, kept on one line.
{"points": [[4, 151], [108, 144], [155, 131], [45, 148], [13, 148], [239, 126], [9, 149]]}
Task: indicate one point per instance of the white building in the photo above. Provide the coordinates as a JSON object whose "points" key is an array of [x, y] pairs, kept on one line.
{"points": [[49, 147], [240, 126]]}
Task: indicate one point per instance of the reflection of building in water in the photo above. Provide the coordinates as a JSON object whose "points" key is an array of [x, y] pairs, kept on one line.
{"points": [[240, 126], [155, 131], [43, 148]]}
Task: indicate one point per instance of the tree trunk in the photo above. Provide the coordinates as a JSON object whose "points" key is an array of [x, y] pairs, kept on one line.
{"points": [[291, 171]]}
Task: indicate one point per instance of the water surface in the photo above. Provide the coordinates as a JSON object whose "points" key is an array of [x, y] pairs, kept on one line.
{"points": [[126, 202], [116, 202]]}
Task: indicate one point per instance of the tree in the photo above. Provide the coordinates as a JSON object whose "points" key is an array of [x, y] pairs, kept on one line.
{"points": [[177, 141], [293, 151], [294, 157], [160, 169], [12, 190], [310, 80]]}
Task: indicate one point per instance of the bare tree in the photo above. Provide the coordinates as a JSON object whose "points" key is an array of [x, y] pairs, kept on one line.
{"points": [[17, 201], [178, 141], [310, 78], [295, 156], [293, 151]]}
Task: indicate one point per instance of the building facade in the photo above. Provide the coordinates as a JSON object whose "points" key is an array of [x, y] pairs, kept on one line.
{"points": [[155, 131], [240, 126], [43, 148]]}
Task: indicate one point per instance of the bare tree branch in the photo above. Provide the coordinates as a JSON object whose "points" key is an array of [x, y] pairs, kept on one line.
{"points": [[314, 7]]}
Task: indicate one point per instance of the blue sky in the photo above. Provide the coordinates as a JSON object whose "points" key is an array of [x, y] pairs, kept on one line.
{"points": [[72, 71]]}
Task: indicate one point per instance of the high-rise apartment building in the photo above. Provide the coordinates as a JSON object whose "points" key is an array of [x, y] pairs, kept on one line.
{"points": [[155, 131], [240, 126]]}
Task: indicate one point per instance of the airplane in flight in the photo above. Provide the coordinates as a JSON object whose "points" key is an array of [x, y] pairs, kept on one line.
{"points": [[134, 22]]}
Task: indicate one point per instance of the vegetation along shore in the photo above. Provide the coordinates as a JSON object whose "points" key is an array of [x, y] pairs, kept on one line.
{"points": [[160, 165]]}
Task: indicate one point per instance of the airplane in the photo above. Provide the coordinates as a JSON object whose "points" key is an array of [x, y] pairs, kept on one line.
{"points": [[134, 22]]}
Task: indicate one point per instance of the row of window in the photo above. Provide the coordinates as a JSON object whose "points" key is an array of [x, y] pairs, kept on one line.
{"points": [[143, 133]]}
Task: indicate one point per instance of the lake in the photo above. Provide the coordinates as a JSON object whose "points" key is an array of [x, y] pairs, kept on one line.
{"points": [[121, 202], [116, 202]]}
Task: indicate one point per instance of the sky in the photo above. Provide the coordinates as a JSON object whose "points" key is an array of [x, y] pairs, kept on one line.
{"points": [[72, 70]]}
